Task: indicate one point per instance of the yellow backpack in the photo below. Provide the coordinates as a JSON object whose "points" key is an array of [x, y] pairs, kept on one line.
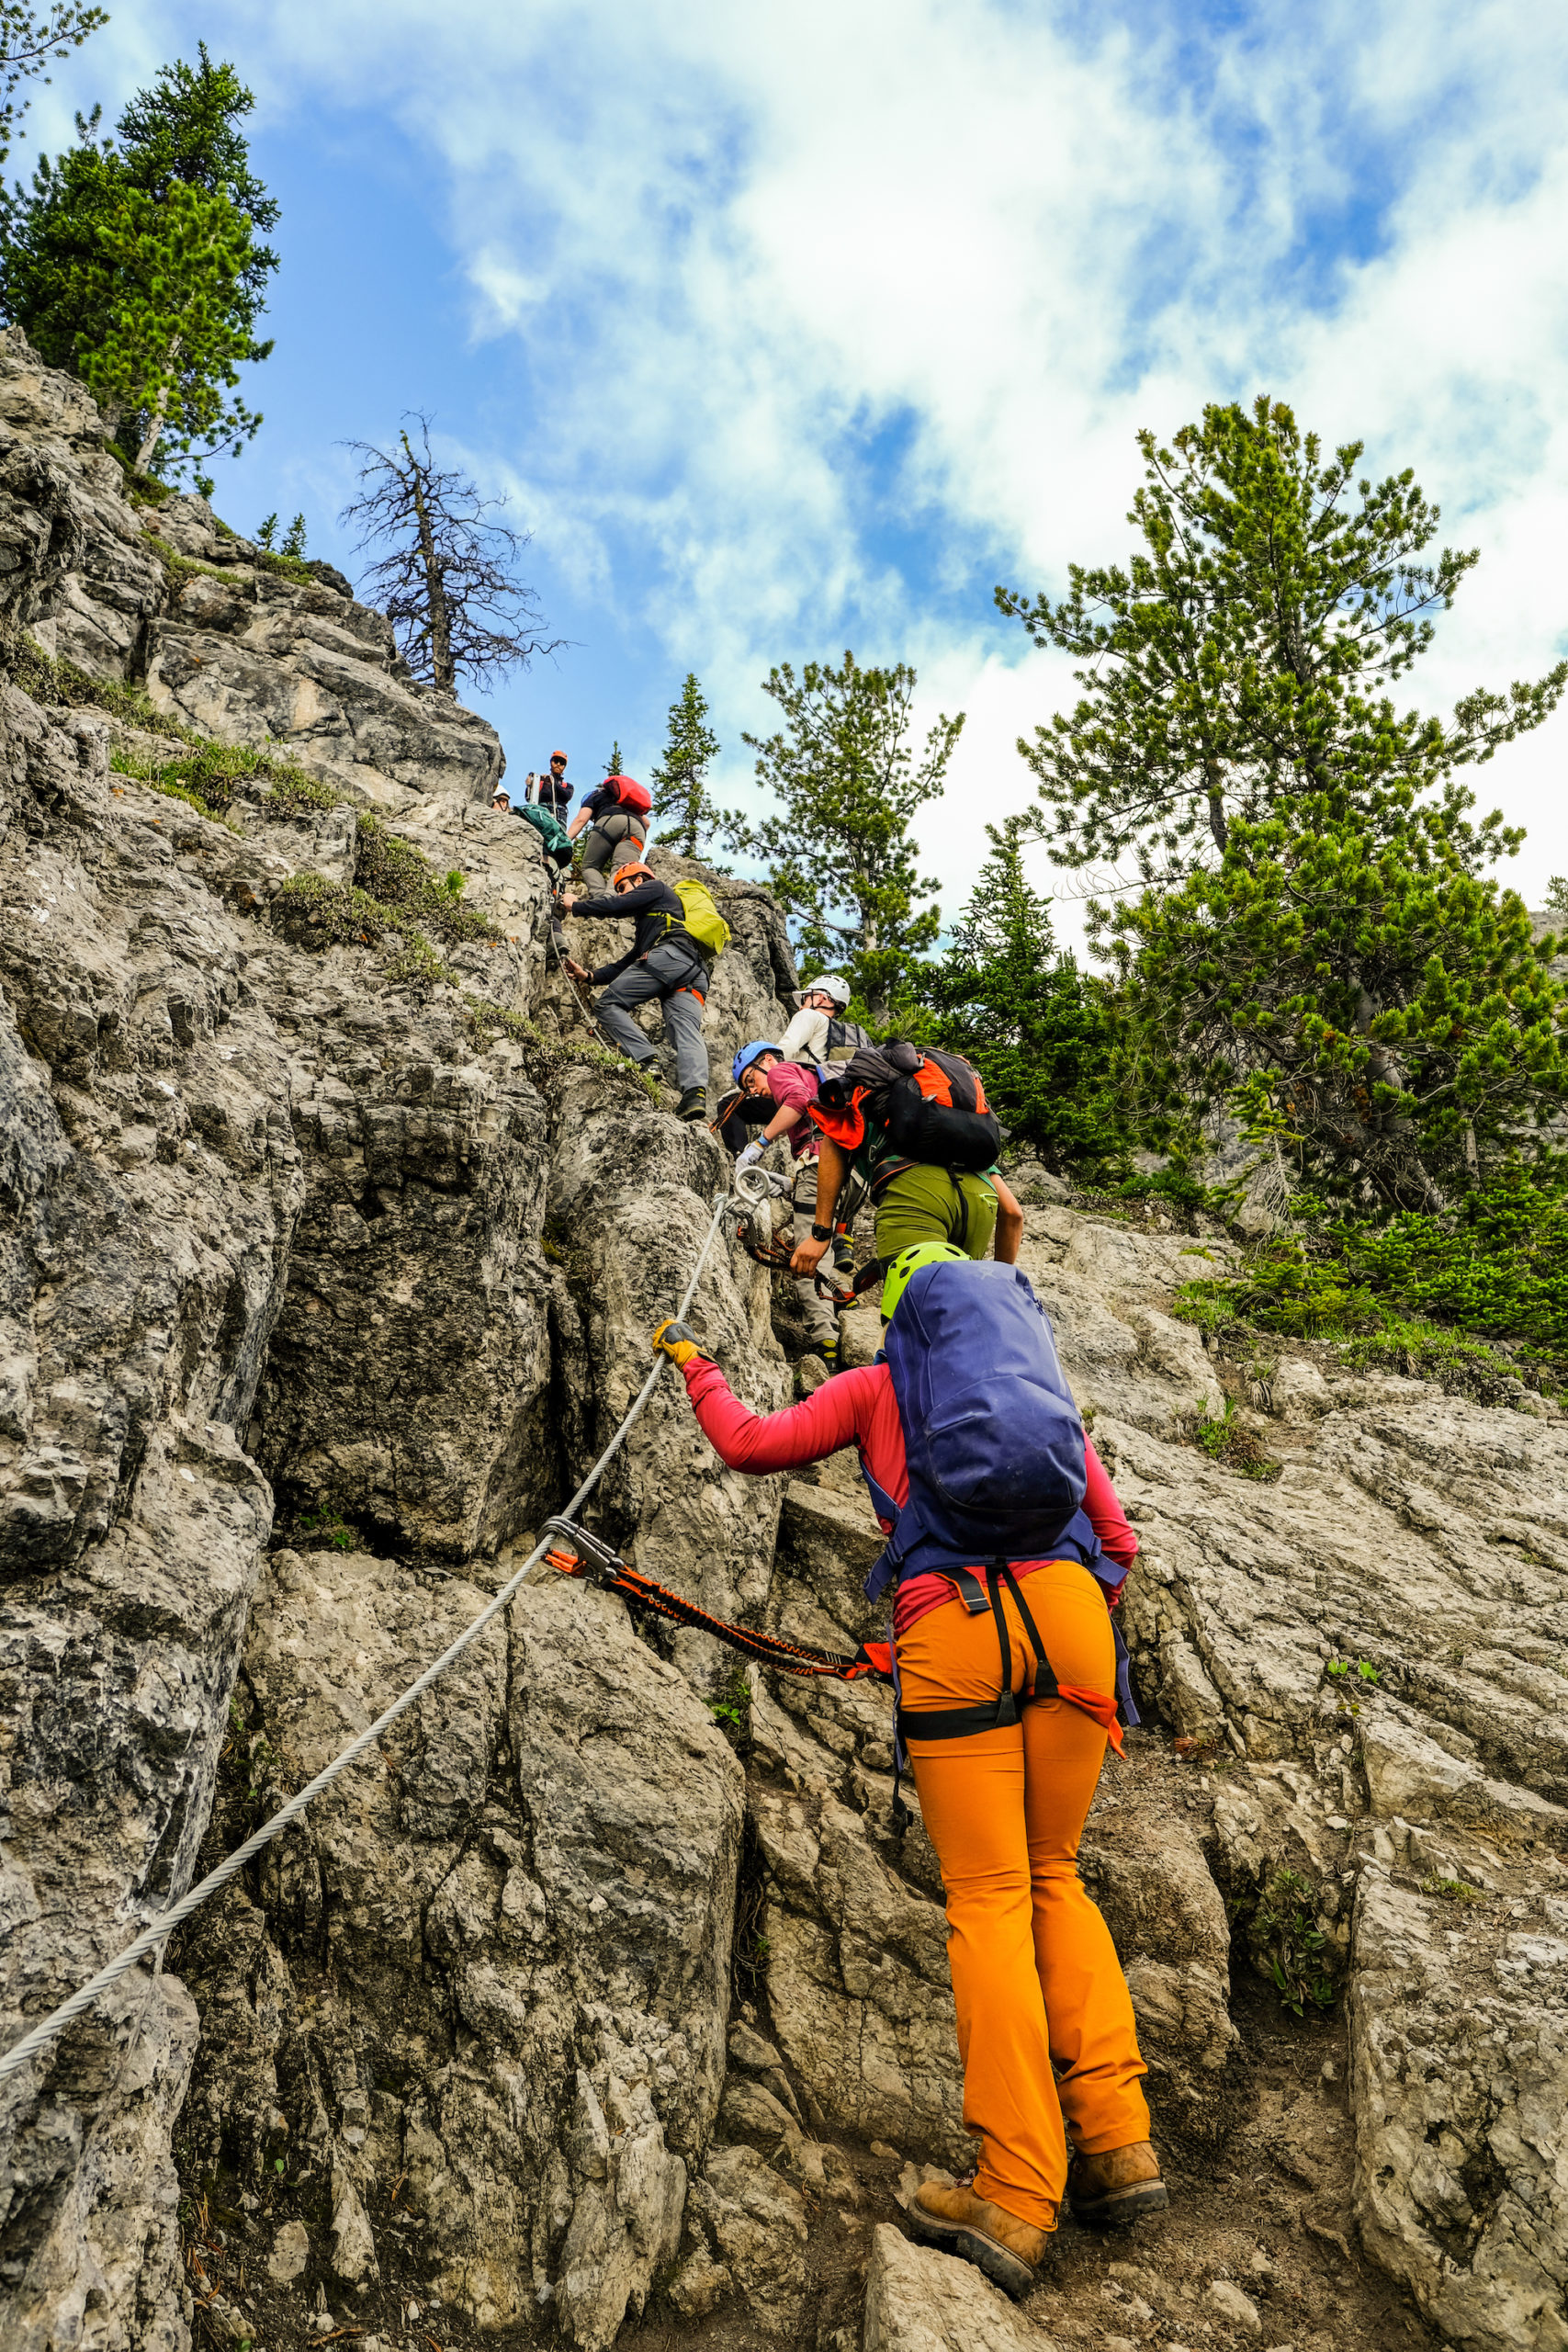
{"points": [[703, 922]]}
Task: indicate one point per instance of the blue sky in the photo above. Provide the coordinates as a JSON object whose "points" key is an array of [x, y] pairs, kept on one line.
{"points": [[792, 328]]}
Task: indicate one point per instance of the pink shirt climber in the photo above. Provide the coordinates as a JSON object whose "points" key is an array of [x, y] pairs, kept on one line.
{"points": [[859, 1409]]}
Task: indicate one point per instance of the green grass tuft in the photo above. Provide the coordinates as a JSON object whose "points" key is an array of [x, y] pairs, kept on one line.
{"points": [[178, 568], [1224, 1439], [296, 795], [396, 872], [483, 1020], [1475, 1298], [418, 965], [1291, 1947], [287, 566], [61, 684], [1453, 1890]]}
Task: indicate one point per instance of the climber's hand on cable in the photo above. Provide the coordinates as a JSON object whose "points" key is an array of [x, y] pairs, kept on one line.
{"points": [[753, 1151], [575, 970], [676, 1340], [568, 902]]}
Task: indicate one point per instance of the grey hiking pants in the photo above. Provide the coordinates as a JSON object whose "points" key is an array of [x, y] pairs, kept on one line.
{"points": [[821, 1320], [666, 973], [612, 842]]}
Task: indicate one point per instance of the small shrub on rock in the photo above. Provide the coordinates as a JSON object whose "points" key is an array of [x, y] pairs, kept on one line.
{"points": [[1474, 1297], [393, 871], [1289, 1944], [311, 912], [1224, 1438]]}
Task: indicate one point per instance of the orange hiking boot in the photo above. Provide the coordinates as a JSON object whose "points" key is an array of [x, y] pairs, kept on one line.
{"points": [[1117, 2187], [1005, 2249]]}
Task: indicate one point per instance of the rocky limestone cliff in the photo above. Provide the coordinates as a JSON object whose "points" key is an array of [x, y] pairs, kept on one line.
{"points": [[331, 1241]]}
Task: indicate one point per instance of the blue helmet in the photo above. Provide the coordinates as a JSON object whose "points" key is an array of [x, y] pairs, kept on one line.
{"points": [[748, 1055]]}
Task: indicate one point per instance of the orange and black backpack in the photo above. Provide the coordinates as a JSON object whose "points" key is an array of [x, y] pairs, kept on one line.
{"points": [[932, 1106]]}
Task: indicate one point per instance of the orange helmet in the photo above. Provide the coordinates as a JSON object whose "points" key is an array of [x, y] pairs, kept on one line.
{"points": [[625, 873]]}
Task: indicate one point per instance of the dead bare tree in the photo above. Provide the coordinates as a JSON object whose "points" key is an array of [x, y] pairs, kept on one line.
{"points": [[448, 580]]}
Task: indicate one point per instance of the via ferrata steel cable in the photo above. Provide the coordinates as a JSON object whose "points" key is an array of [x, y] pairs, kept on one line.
{"points": [[166, 1921]]}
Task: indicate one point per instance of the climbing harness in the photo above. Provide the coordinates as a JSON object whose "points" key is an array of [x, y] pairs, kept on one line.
{"points": [[153, 1937], [994, 1715], [578, 1553], [998, 1713]]}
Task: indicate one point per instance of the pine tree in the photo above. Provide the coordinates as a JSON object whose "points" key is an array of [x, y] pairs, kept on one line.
{"points": [[840, 857], [1241, 661], [613, 764], [136, 265], [681, 778], [1034, 1026], [185, 131], [1354, 992], [30, 40]]}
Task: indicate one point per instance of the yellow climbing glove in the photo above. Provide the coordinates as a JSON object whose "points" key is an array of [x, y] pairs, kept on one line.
{"points": [[677, 1341]]}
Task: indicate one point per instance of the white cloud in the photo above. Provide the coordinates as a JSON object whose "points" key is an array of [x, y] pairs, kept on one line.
{"points": [[742, 247]]}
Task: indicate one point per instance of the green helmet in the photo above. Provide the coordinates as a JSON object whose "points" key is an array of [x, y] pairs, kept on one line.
{"points": [[908, 1261]]}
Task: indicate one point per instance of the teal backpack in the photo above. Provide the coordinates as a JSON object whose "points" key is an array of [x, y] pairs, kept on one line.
{"points": [[548, 826]]}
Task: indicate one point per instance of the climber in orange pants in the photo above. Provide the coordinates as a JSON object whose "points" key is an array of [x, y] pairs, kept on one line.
{"points": [[1044, 2020], [966, 1410]]}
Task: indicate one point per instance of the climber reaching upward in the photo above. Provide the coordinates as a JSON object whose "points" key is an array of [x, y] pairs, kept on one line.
{"points": [[1006, 1551], [918, 1131], [679, 932]]}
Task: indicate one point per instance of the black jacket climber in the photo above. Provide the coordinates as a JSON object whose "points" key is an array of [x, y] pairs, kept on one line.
{"points": [[661, 921]]}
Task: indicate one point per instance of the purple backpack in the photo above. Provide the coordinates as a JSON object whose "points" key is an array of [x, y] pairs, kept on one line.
{"points": [[992, 1437]]}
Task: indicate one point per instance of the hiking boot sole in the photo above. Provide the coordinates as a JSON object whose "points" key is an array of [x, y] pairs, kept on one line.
{"points": [[1120, 2208], [1006, 2269]]}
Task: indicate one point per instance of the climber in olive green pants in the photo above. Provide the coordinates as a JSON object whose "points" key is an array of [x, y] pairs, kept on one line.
{"points": [[924, 1203], [920, 1202]]}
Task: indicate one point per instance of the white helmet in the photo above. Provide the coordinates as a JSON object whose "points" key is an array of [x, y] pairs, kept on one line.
{"points": [[829, 984]]}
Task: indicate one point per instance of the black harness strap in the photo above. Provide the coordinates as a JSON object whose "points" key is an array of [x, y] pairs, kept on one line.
{"points": [[1045, 1684], [971, 1592], [987, 1714]]}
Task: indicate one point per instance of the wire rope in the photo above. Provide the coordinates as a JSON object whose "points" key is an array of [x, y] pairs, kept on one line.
{"points": [[167, 1921]]}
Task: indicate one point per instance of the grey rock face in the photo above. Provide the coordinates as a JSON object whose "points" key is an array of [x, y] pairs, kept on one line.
{"points": [[919, 2301], [757, 2226], [150, 1185], [1460, 2038], [225, 1159], [526, 1909], [298, 667], [631, 1197], [410, 1362], [286, 1234], [1390, 1549]]}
